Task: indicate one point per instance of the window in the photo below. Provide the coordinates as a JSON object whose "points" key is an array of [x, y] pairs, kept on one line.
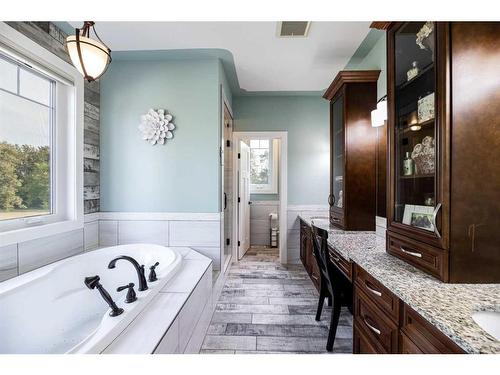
{"points": [[263, 166], [26, 142], [41, 141]]}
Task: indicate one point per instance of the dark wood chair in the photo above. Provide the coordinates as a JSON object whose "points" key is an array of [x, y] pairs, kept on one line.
{"points": [[334, 285]]}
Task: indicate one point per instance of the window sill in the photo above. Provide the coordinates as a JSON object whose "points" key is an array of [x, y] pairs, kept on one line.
{"points": [[39, 231]]}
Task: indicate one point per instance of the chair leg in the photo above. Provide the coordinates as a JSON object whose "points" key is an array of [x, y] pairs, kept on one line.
{"points": [[330, 301], [322, 295], [334, 321]]}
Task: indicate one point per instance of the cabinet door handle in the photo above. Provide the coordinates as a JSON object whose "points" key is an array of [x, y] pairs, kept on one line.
{"points": [[434, 215], [376, 292], [377, 331], [330, 200], [412, 253]]}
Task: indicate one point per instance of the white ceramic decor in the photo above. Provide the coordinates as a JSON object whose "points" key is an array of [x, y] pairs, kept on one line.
{"points": [[156, 126]]}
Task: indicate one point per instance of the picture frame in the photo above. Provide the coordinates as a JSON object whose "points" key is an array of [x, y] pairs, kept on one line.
{"points": [[419, 216]]}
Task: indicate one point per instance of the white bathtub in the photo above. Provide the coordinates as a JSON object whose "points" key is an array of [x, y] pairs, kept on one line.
{"points": [[50, 310]]}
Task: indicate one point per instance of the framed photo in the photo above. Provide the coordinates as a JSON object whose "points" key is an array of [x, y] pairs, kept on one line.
{"points": [[419, 216]]}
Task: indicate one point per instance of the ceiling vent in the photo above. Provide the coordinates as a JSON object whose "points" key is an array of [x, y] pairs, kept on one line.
{"points": [[293, 29]]}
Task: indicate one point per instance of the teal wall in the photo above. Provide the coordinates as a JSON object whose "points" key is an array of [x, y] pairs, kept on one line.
{"points": [[371, 54], [180, 176], [306, 119]]}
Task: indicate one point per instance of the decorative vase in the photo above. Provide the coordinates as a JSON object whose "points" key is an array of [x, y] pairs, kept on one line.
{"points": [[423, 155]]}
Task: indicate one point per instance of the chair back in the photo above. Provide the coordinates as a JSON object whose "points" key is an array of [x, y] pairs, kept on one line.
{"points": [[331, 277]]}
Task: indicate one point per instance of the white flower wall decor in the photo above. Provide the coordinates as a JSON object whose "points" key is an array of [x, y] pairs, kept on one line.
{"points": [[156, 126]]}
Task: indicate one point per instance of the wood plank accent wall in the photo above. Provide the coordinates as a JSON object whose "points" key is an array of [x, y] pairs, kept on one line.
{"points": [[52, 38]]}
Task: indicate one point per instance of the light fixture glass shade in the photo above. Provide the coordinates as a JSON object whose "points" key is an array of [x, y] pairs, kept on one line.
{"points": [[379, 115], [93, 58]]}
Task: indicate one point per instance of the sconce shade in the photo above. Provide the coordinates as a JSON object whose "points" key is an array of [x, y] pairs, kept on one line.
{"points": [[89, 56], [379, 115]]}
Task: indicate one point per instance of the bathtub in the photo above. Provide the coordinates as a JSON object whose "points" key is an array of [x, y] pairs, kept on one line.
{"points": [[50, 310]]}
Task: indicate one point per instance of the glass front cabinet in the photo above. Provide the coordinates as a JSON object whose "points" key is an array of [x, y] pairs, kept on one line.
{"points": [[352, 96], [424, 92]]}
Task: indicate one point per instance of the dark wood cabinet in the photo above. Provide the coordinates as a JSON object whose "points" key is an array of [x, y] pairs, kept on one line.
{"points": [[443, 205], [306, 254], [418, 336], [384, 324], [353, 148]]}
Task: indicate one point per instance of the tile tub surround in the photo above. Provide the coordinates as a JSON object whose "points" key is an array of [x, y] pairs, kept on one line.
{"points": [[200, 231], [448, 307], [260, 224], [265, 307], [176, 317]]}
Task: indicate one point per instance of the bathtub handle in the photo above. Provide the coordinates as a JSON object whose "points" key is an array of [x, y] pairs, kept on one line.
{"points": [[131, 296], [152, 273]]}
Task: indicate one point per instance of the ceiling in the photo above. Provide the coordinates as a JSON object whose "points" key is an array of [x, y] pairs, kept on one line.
{"points": [[262, 60]]}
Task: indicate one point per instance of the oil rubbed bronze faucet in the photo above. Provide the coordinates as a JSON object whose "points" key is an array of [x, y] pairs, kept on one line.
{"points": [[92, 282], [143, 285]]}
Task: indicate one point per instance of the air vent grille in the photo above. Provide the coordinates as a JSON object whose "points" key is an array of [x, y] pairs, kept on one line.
{"points": [[293, 29]]}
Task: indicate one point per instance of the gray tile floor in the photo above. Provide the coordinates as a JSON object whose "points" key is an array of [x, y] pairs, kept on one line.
{"points": [[265, 307]]}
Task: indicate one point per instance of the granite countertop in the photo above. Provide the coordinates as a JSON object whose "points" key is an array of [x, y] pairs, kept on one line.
{"points": [[448, 307]]}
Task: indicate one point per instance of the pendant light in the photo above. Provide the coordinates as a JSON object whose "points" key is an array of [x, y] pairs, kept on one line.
{"points": [[90, 57]]}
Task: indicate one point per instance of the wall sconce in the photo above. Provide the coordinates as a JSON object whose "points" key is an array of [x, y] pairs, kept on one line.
{"points": [[379, 115], [90, 57]]}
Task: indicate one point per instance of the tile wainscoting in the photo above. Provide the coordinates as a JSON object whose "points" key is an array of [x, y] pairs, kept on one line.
{"points": [[200, 231], [293, 227], [260, 224]]}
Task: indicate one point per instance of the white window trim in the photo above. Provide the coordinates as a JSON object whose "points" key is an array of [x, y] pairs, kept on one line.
{"points": [[271, 188], [70, 178]]}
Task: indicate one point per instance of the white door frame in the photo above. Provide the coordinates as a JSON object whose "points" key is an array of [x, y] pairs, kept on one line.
{"points": [[283, 188]]}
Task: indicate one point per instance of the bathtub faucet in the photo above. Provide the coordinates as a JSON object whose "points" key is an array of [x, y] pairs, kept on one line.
{"points": [[143, 285], [92, 282]]}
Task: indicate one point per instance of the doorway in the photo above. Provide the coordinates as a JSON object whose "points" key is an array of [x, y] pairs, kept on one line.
{"points": [[260, 199]]}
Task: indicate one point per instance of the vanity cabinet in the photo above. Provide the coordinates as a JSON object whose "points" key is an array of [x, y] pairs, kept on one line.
{"points": [[383, 324], [443, 147], [306, 254], [353, 144]]}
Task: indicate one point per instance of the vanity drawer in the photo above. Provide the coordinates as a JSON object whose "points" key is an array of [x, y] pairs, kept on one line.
{"points": [[378, 327], [361, 344], [425, 257], [337, 218], [378, 293], [341, 263], [425, 337]]}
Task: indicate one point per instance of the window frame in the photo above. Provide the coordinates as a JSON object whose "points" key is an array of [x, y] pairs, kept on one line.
{"points": [[15, 223], [66, 141], [270, 188]]}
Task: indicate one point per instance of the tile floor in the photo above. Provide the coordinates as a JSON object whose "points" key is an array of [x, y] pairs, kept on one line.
{"points": [[265, 307]]}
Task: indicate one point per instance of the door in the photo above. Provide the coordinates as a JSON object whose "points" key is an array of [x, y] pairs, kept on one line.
{"points": [[244, 200], [227, 198]]}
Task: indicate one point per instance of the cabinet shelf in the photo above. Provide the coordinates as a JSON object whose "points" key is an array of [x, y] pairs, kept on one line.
{"points": [[427, 70], [416, 176], [423, 126]]}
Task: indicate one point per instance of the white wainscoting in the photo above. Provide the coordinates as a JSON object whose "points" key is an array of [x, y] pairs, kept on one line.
{"points": [[380, 226], [200, 231], [293, 234]]}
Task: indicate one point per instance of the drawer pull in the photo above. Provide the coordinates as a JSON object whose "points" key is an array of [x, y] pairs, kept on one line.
{"points": [[376, 292], [412, 253], [336, 259], [336, 219], [377, 331]]}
